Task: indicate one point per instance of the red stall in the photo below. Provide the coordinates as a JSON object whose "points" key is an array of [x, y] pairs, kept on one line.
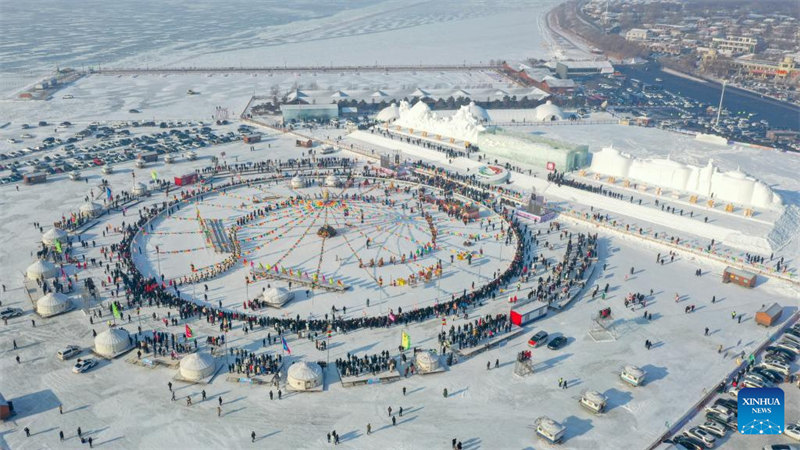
{"points": [[186, 180]]}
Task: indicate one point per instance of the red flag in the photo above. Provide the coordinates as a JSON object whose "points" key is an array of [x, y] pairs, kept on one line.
{"points": [[188, 332]]}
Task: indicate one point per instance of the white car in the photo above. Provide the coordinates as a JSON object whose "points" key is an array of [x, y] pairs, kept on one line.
{"points": [[788, 346], [9, 313], [793, 431], [69, 352], [83, 365], [715, 429], [719, 409], [702, 436], [776, 366]]}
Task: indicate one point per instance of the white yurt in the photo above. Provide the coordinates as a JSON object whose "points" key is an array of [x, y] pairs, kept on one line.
{"points": [[139, 189], [197, 366], [303, 376], [388, 114], [56, 234], [332, 181], [426, 361], [90, 209], [52, 304], [298, 182], [112, 342], [548, 112], [277, 296], [41, 268]]}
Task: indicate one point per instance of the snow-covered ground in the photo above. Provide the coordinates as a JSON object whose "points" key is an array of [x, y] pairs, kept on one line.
{"points": [[681, 365]]}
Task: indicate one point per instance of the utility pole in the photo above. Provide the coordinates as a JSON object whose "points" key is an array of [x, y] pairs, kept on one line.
{"points": [[721, 96]]}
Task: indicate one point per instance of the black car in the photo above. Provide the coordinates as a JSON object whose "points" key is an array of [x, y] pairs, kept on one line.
{"points": [[689, 443], [557, 342], [771, 375], [783, 351]]}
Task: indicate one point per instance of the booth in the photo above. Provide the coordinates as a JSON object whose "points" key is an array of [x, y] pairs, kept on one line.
{"points": [[197, 366], [186, 180], [738, 276], [522, 314], [769, 315]]}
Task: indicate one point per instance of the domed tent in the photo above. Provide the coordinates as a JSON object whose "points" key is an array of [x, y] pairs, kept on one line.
{"points": [[388, 114], [112, 343], [427, 362], [304, 376], [548, 112], [298, 182], [41, 268], [56, 234], [52, 304], [332, 181], [277, 296], [197, 366], [139, 189], [90, 209]]}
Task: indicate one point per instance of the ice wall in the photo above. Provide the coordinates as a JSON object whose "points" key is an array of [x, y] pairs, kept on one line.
{"points": [[734, 186]]}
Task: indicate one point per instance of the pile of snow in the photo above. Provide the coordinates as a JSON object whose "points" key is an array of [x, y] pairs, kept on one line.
{"points": [[52, 304], [41, 269], [112, 342], [462, 125], [304, 375], [733, 186], [388, 114], [197, 366]]}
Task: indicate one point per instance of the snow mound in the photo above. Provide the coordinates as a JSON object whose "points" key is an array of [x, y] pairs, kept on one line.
{"points": [[462, 125]]}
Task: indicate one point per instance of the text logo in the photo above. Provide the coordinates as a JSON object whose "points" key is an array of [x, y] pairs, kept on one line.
{"points": [[761, 411]]}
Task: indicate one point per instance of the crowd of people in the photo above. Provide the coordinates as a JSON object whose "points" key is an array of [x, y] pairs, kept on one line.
{"points": [[353, 366]]}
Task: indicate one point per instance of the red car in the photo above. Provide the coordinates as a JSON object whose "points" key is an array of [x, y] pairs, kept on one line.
{"points": [[98, 162]]}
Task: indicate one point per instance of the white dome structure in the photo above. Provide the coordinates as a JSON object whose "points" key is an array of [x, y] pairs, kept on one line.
{"points": [[139, 189], [277, 296], [52, 304], [304, 376], [197, 366], [478, 112], [297, 182], [547, 112], [112, 342], [90, 209], [41, 269], [426, 361], [388, 114], [332, 181], [56, 234]]}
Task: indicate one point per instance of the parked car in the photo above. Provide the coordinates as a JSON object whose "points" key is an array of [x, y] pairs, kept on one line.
{"points": [[777, 366], [83, 365], [701, 435], [69, 352], [731, 405], [538, 339], [557, 342], [727, 421], [688, 442], [715, 429], [9, 313], [764, 370], [793, 431], [782, 447]]}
